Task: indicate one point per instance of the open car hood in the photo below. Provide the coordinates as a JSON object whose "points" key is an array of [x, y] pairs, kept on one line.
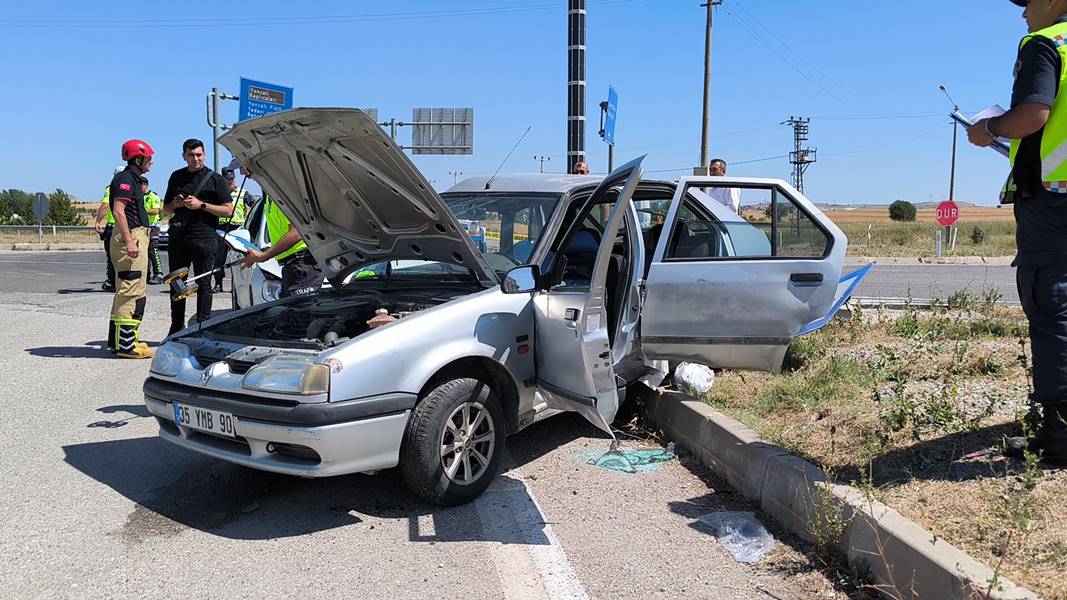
{"points": [[351, 192]]}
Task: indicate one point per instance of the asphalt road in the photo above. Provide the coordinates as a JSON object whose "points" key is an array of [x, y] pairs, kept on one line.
{"points": [[77, 272], [94, 505], [938, 281]]}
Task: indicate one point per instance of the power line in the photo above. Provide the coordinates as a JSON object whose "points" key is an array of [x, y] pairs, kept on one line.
{"points": [[732, 163], [781, 41], [878, 116], [770, 48], [181, 23], [892, 141]]}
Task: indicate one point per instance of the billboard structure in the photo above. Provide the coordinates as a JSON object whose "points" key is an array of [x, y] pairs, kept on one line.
{"points": [[442, 131]]}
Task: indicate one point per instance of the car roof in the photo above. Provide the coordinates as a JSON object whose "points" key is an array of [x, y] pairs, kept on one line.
{"points": [[530, 182]]}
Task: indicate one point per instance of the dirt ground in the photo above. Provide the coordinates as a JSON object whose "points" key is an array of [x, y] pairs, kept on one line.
{"points": [[912, 406]]}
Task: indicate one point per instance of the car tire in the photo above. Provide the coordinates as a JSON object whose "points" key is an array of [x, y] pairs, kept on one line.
{"points": [[443, 460]]}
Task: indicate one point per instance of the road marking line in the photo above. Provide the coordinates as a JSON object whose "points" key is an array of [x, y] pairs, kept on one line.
{"points": [[529, 560]]}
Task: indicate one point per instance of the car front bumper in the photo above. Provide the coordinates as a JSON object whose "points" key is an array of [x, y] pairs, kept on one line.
{"points": [[320, 440]]}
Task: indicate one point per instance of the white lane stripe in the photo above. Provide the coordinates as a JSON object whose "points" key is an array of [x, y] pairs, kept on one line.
{"points": [[529, 560]]}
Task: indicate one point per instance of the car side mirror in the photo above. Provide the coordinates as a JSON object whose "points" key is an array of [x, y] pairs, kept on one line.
{"points": [[521, 280]]}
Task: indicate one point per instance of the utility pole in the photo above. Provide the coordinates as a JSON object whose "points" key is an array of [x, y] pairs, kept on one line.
{"points": [[542, 159], [955, 127], [576, 13], [705, 129], [801, 157], [455, 176]]}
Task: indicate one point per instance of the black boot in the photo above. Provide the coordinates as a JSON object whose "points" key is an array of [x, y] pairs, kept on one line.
{"points": [[1050, 441]]}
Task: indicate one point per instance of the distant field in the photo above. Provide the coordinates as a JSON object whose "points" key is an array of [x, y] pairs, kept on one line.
{"points": [[968, 214], [891, 238]]}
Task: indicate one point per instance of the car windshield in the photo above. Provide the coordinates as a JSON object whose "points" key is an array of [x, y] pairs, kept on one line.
{"points": [[504, 226]]}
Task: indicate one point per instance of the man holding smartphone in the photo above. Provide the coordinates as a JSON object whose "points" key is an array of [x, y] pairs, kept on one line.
{"points": [[197, 197]]}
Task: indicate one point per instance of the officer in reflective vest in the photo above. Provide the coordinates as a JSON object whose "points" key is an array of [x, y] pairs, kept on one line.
{"points": [[105, 227], [1037, 188], [236, 220], [300, 273], [153, 206]]}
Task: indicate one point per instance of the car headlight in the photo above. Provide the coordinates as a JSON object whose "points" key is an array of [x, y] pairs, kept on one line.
{"points": [[288, 375], [168, 359], [271, 290]]}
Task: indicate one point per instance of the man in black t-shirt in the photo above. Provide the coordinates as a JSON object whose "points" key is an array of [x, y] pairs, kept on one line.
{"points": [[129, 252], [197, 197]]}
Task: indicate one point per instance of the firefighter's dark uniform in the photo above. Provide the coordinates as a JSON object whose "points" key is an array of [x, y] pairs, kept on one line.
{"points": [[127, 310], [1038, 190]]}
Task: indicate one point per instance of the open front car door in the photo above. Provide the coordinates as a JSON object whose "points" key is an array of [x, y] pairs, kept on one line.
{"points": [[730, 290], [575, 368]]}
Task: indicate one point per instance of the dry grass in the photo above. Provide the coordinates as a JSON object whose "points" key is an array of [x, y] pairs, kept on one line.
{"points": [[70, 237], [892, 238], [919, 419]]}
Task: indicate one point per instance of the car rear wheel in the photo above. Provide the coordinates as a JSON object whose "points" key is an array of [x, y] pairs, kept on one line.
{"points": [[453, 442]]}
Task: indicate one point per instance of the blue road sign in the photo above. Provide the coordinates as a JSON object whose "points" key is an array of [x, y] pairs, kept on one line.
{"points": [[258, 98], [609, 118]]}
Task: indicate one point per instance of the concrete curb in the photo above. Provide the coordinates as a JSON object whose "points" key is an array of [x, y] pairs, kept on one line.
{"points": [[793, 492], [49, 247]]}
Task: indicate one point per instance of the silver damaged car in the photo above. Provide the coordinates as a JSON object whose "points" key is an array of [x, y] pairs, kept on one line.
{"points": [[579, 288]]}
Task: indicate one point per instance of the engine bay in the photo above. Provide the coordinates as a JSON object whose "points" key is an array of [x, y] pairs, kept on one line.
{"points": [[329, 318]]}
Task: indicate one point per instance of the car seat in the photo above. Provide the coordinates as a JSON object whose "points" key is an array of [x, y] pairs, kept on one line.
{"points": [[581, 257]]}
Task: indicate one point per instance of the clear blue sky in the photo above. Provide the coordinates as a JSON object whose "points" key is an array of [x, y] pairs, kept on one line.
{"points": [[81, 77]]}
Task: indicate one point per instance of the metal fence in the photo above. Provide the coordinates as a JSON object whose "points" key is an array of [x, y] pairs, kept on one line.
{"points": [[53, 229]]}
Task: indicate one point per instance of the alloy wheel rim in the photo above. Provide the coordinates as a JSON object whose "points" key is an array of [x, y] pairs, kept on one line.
{"points": [[468, 442]]}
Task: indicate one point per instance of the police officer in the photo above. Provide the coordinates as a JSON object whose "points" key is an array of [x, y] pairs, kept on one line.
{"points": [[153, 206], [235, 220], [105, 227], [129, 246], [1037, 188], [300, 273]]}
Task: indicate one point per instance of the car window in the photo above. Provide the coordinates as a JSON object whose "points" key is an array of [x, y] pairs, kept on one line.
{"points": [[252, 221], [769, 224], [504, 226], [411, 270]]}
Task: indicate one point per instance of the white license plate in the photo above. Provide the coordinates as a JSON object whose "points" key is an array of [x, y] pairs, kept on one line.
{"points": [[205, 419]]}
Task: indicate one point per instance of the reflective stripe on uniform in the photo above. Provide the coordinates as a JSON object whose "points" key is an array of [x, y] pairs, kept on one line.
{"points": [[1053, 152]]}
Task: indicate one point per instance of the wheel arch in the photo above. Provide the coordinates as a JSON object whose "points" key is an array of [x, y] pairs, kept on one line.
{"points": [[487, 370]]}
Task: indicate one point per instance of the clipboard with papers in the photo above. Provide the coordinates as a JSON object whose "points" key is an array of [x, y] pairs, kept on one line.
{"points": [[1001, 145]]}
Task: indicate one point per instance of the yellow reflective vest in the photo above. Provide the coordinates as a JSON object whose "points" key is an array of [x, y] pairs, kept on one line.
{"points": [[238, 217], [277, 226], [1054, 137]]}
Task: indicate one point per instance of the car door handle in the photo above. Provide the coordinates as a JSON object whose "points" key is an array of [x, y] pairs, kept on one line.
{"points": [[806, 278]]}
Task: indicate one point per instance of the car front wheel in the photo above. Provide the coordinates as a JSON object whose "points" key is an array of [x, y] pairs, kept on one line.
{"points": [[453, 442]]}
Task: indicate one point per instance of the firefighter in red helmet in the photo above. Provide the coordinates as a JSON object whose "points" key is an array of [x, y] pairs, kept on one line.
{"points": [[129, 252]]}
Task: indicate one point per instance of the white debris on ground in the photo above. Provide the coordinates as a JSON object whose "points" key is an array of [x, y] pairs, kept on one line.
{"points": [[694, 377], [740, 533]]}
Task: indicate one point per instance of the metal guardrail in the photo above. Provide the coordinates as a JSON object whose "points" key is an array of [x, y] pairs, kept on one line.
{"points": [[53, 228]]}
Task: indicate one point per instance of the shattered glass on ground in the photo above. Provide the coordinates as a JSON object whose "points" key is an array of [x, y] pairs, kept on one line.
{"points": [[628, 460]]}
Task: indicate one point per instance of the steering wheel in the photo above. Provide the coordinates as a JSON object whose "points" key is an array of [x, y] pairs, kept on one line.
{"points": [[500, 261]]}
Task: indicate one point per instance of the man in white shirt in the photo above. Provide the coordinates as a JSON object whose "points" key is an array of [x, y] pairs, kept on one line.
{"points": [[728, 197]]}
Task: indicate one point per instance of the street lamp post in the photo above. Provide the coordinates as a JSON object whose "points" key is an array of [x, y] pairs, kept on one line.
{"points": [[952, 168]]}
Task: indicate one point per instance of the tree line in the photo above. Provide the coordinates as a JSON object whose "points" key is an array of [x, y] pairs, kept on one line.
{"points": [[16, 208]]}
